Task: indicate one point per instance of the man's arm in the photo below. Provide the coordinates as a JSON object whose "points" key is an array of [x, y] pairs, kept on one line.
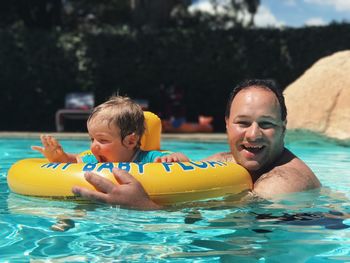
{"points": [[289, 177], [129, 193]]}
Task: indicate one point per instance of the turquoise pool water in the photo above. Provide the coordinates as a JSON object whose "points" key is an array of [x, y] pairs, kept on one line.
{"points": [[304, 227]]}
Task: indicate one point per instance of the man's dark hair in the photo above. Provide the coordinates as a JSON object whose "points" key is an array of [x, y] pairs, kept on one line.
{"points": [[267, 84]]}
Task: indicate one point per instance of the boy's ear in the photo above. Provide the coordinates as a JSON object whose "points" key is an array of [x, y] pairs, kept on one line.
{"points": [[131, 140]]}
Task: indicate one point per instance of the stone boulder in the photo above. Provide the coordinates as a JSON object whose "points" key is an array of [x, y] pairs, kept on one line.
{"points": [[319, 100]]}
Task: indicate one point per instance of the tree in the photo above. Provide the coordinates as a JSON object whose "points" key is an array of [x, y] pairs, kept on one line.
{"points": [[252, 7], [75, 14], [43, 14], [229, 14], [79, 13], [155, 13]]}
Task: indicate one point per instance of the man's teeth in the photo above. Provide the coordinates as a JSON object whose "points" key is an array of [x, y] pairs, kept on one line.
{"points": [[254, 148]]}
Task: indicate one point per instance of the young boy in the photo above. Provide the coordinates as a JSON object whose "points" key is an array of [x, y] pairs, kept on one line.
{"points": [[115, 128]]}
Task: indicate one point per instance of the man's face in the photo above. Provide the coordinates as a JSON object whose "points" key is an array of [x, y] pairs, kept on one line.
{"points": [[255, 129]]}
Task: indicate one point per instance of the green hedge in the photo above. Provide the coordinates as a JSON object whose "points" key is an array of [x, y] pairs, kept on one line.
{"points": [[38, 67]]}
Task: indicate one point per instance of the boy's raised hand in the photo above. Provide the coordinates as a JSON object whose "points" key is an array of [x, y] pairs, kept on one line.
{"points": [[51, 149]]}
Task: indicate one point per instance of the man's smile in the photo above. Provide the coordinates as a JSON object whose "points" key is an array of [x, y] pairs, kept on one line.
{"points": [[254, 149]]}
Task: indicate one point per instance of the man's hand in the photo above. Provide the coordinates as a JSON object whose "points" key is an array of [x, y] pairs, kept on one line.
{"points": [[129, 193]]}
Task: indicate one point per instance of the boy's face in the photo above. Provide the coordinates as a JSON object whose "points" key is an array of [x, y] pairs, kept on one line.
{"points": [[106, 143]]}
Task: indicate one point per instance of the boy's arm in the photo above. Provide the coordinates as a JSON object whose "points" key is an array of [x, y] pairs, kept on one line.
{"points": [[53, 150]]}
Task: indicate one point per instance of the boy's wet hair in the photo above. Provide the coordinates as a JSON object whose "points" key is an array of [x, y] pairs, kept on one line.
{"points": [[122, 112], [267, 84]]}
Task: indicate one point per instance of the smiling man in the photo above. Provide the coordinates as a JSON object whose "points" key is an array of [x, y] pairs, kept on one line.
{"points": [[256, 126]]}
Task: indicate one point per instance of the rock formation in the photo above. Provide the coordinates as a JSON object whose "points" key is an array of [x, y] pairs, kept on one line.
{"points": [[320, 99]]}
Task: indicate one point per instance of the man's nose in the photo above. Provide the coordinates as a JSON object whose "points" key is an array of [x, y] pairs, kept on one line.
{"points": [[253, 132]]}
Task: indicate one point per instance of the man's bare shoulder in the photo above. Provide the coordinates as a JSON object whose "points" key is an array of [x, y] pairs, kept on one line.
{"points": [[289, 176], [223, 157]]}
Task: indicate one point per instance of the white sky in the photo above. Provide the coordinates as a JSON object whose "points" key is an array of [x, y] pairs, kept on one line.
{"points": [[294, 13]]}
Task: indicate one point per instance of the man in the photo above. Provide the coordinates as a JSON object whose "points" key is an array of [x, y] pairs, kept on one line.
{"points": [[256, 125]]}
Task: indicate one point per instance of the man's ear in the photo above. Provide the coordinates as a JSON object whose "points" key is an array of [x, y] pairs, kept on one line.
{"points": [[131, 140], [284, 126]]}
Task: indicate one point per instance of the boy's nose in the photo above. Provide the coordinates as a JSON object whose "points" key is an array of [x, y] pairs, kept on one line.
{"points": [[95, 146]]}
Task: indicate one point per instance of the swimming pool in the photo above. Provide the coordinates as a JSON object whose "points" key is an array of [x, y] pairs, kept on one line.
{"points": [[303, 227]]}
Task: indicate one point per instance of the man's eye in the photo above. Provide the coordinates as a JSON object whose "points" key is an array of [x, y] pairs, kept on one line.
{"points": [[243, 123], [266, 125]]}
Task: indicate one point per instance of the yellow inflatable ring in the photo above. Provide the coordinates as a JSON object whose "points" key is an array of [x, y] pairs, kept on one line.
{"points": [[166, 183]]}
